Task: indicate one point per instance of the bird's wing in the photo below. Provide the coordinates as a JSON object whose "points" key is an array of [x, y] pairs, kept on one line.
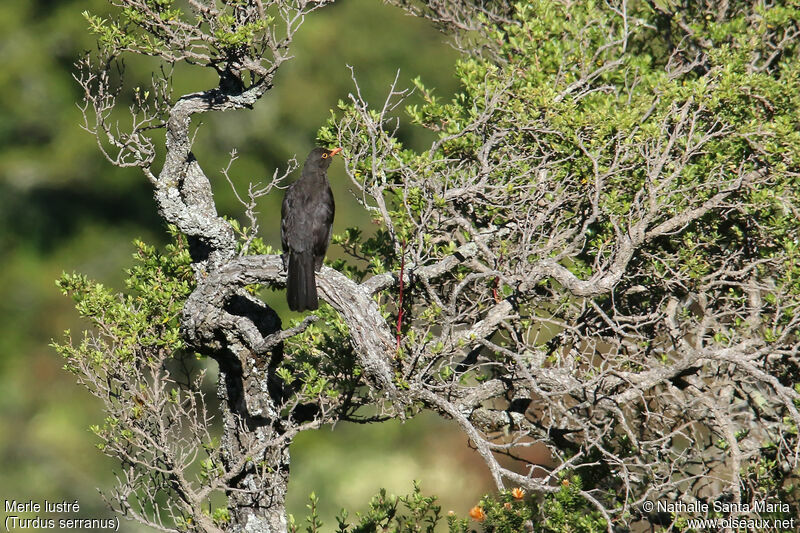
{"points": [[323, 223], [306, 218]]}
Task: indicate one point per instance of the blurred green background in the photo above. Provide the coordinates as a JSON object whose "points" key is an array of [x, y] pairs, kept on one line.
{"points": [[63, 207]]}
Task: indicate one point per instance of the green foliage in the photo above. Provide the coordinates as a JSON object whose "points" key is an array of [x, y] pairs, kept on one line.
{"points": [[136, 325], [109, 34], [221, 516], [158, 28], [733, 119], [134, 360], [597, 127], [413, 513], [769, 479], [241, 35], [734, 105], [568, 511], [510, 511], [320, 363]]}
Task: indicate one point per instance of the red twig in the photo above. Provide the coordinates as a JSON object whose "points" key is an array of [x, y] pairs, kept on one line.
{"points": [[496, 284], [402, 284]]}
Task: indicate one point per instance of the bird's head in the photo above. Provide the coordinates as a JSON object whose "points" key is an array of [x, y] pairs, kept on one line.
{"points": [[320, 158]]}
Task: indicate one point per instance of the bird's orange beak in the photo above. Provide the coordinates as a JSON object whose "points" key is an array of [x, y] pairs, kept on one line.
{"points": [[335, 151]]}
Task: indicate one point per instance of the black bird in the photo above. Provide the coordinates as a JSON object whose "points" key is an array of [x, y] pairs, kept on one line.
{"points": [[306, 221]]}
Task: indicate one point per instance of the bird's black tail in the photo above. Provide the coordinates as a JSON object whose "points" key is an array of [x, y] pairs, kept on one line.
{"points": [[301, 283]]}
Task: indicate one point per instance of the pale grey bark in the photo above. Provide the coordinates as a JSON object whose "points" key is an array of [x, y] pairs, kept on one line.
{"points": [[221, 319]]}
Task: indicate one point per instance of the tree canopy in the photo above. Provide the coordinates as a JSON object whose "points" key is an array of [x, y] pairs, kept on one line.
{"points": [[597, 253]]}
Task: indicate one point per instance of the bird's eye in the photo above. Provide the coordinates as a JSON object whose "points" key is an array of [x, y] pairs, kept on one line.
{"points": [[324, 156]]}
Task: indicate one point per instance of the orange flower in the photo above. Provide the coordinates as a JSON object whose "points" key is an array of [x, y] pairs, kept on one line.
{"points": [[477, 513], [565, 483], [518, 493], [507, 506]]}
